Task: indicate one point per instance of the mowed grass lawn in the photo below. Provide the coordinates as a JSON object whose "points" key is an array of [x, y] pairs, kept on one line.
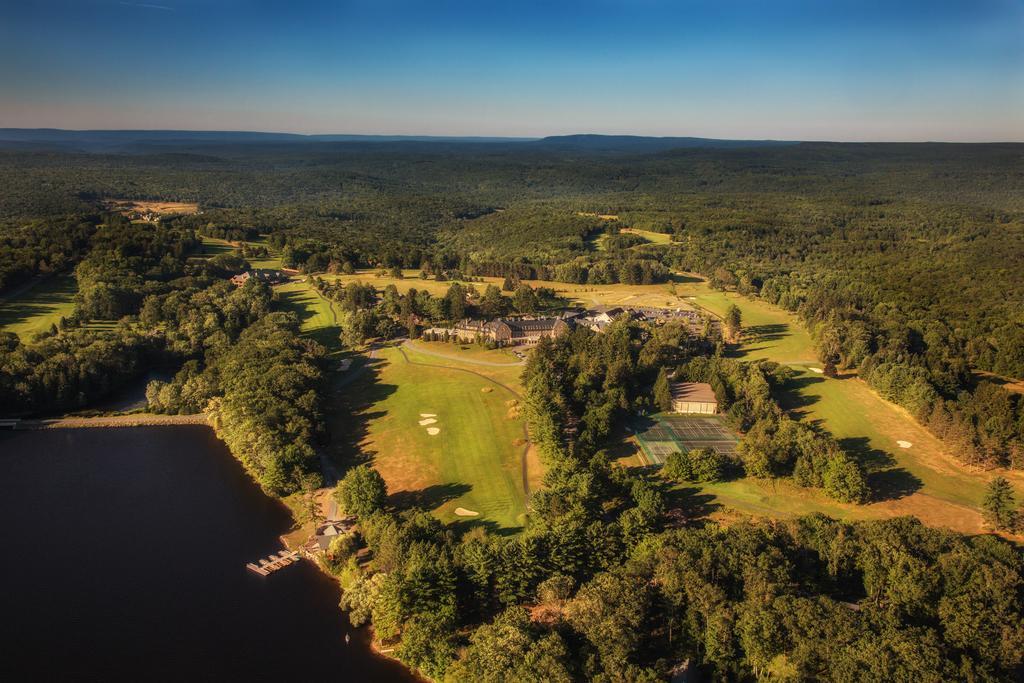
{"points": [[474, 462], [922, 480], [652, 237], [39, 306], [317, 315]]}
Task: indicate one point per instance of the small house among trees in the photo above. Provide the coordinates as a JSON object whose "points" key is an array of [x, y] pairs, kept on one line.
{"points": [[693, 397]]}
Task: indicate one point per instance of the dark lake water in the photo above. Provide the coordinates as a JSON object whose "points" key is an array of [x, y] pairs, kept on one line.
{"points": [[123, 558]]}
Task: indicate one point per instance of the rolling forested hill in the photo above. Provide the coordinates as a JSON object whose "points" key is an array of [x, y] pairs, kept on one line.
{"points": [[903, 258]]}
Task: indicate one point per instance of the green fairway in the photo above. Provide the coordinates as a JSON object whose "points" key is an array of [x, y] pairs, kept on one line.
{"points": [[652, 237], [922, 480], [38, 307], [317, 315], [768, 332], [597, 241], [474, 461]]}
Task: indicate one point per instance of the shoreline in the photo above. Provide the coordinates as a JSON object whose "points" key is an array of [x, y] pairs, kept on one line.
{"points": [[110, 421]]}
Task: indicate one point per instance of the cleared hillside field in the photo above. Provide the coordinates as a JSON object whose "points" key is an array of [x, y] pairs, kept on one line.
{"points": [[35, 308], [317, 315]]}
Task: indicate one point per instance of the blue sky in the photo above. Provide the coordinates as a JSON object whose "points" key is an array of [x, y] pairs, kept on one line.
{"points": [[786, 69]]}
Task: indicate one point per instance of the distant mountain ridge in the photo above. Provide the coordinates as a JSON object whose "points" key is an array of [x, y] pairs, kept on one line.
{"points": [[115, 140], [642, 143], [106, 140]]}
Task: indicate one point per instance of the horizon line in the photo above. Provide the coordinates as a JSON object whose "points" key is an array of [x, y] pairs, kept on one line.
{"points": [[510, 138]]}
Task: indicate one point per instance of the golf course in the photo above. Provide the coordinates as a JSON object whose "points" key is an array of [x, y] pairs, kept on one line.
{"points": [[921, 479], [38, 305], [445, 433]]}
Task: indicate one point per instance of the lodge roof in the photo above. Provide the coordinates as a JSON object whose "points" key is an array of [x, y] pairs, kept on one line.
{"points": [[698, 392]]}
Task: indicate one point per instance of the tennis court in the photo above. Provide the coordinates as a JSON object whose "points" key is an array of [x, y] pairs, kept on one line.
{"points": [[666, 434]]}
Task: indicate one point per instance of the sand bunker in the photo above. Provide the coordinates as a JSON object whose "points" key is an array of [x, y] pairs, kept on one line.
{"points": [[817, 370], [463, 512], [428, 414], [433, 431], [428, 421], [904, 444], [487, 390]]}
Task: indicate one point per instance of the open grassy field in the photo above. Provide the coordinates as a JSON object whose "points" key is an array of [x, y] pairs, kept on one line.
{"points": [[652, 237], [922, 480], [475, 459], [160, 207], [583, 295], [318, 315], [35, 308]]}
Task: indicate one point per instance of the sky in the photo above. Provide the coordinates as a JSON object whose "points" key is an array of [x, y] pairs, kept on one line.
{"points": [[782, 69]]}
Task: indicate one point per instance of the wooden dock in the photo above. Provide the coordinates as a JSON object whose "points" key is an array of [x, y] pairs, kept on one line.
{"points": [[272, 563]]}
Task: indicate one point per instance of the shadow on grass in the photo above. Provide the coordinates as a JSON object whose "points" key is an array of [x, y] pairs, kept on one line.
{"points": [[461, 527], [758, 334], [681, 279], [430, 497], [892, 484], [349, 412], [43, 298], [793, 396], [887, 482], [694, 503], [294, 303]]}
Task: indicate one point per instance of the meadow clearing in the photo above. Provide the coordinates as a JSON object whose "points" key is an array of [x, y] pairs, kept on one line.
{"points": [[157, 207]]}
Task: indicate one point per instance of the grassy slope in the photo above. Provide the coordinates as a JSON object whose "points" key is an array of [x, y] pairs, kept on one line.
{"points": [[38, 307], [652, 237], [318, 315], [923, 480], [475, 462]]}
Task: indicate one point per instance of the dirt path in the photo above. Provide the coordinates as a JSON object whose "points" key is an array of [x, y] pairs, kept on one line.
{"points": [[526, 434]]}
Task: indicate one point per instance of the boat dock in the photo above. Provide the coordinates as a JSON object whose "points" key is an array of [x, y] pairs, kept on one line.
{"points": [[272, 563]]}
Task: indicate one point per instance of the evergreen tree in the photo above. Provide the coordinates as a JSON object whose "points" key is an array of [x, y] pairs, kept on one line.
{"points": [[999, 504], [455, 302], [733, 323], [662, 391]]}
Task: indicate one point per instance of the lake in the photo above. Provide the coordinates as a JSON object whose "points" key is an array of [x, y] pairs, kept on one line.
{"points": [[124, 555]]}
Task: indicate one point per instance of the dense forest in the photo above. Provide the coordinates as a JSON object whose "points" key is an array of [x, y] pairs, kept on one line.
{"points": [[602, 586], [903, 261]]}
